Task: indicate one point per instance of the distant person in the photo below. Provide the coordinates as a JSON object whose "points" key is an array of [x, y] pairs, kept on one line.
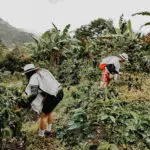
{"points": [[44, 92], [110, 67]]}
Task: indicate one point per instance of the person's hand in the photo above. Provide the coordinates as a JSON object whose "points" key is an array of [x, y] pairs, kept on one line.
{"points": [[120, 73], [17, 108], [24, 96], [111, 76]]}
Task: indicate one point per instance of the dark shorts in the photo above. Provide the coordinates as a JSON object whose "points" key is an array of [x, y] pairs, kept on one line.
{"points": [[51, 102]]}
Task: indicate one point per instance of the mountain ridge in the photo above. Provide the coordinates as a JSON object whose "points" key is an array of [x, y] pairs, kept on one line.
{"points": [[11, 35]]}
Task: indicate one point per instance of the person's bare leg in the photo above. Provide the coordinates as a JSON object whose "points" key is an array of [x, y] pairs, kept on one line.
{"points": [[50, 118], [42, 121], [50, 121], [42, 124]]}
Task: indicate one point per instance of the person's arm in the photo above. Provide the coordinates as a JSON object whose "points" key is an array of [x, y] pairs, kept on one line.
{"points": [[34, 93]]}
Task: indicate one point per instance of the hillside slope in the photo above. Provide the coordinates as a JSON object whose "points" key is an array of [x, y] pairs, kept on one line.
{"points": [[11, 35]]}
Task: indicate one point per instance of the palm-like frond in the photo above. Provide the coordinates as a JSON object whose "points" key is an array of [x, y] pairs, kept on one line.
{"points": [[129, 26], [146, 24], [66, 30], [121, 20], [35, 39], [55, 26], [144, 13]]}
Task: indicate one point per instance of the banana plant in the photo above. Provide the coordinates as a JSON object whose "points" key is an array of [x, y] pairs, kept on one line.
{"points": [[55, 44], [144, 13], [125, 28]]}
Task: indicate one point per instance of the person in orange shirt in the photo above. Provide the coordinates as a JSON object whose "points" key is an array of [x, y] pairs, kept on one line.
{"points": [[110, 67]]}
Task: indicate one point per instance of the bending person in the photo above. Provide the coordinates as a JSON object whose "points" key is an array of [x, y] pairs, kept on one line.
{"points": [[44, 92], [110, 67]]}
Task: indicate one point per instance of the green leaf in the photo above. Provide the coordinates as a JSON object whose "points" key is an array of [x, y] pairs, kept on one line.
{"points": [[112, 119], [104, 146], [55, 48], [130, 29], [7, 132], [75, 126], [55, 26], [144, 13], [146, 24], [104, 116], [70, 123], [113, 147]]}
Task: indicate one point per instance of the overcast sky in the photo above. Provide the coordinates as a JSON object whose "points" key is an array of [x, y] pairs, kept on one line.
{"points": [[38, 15]]}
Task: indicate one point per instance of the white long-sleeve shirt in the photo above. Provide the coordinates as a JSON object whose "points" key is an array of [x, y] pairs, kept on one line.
{"points": [[112, 60], [45, 81]]}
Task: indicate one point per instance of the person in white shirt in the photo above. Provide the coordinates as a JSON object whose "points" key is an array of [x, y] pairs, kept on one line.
{"points": [[111, 66], [44, 92]]}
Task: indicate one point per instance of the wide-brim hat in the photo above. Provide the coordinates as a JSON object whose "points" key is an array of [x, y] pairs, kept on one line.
{"points": [[124, 56], [29, 67]]}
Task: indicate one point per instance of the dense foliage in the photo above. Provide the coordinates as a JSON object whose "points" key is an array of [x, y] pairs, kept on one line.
{"points": [[95, 29], [122, 123], [94, 120], [11, 120]]}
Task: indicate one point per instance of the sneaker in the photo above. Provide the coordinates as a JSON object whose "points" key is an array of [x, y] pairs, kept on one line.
{"points": [[51, 134], [41, 133]]}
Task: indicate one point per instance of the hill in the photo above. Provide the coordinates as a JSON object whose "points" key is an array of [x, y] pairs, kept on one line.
{"points": [[11, 35]]}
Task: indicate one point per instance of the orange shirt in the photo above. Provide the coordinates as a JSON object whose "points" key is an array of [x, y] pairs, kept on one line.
{"points": [[102, 66]]}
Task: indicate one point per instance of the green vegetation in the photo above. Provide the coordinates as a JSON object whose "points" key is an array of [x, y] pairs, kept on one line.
{"points": [[10, 120], [84, 119]]}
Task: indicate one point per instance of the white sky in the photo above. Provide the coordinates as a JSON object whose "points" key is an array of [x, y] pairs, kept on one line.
{"points": [[38, 15]]}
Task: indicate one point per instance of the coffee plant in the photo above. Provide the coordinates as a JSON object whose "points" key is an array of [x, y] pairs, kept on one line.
{"points": [[11, 120], [118, 122]]}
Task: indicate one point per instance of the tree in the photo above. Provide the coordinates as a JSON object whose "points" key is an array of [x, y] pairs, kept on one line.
{"points": [[16, 59], [55, 45], [3, 50], [94, 29], [88, 35], [144, 13]]}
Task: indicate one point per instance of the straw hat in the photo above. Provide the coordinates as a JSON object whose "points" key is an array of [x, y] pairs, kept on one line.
{"points": [[29, 67], [124, 56]]}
